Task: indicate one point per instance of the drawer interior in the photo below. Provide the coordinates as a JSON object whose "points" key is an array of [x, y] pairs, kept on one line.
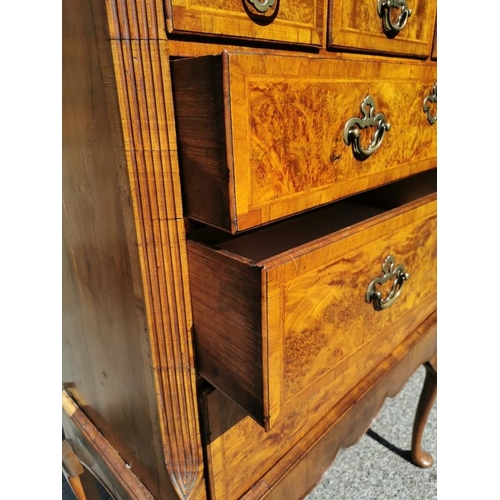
{"points": [[260, 244]]}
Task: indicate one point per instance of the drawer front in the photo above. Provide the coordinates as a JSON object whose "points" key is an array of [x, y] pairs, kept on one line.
{"points": [[267, 140], [289, 21], [358, 25], [322, 311], [270, 332]]}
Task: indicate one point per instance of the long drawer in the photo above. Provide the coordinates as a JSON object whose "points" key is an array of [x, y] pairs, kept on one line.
{"points": [[262, 137], [282, 310]]}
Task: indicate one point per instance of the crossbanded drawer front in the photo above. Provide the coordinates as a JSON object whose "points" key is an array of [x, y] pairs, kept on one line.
{"points": [[402, 27], [272, 322], [262, 137], [287, 21]]}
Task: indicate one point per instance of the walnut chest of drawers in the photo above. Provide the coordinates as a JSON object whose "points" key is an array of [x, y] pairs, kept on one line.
{"points": [[249, 215]]}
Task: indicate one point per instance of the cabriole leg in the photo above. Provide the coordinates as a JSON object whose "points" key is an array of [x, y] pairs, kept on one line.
{"points": [[429, 391]]}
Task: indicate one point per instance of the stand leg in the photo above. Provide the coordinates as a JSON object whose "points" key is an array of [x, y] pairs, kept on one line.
{"points": [[429, 391]]}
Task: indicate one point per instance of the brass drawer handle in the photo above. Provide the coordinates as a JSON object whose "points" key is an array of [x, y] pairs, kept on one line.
{"points": [[353, 126], [390, 271], [384, 11], [428, 99], [262, 6]]}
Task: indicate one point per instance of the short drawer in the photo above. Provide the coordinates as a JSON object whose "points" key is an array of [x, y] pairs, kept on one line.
{"points": [[402, 27], [280, 310], [262, 137], [298, 23]]}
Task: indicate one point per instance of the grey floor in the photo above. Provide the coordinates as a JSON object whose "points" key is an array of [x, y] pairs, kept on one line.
{"points": [[378, 467]]}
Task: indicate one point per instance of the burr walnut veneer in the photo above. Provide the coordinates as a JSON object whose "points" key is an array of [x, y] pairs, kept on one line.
{"points": [[249, 231]]}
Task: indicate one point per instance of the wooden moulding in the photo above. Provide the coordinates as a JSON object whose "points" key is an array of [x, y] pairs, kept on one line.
{"points": [[282, 310], [140, 54], [125, 484], [434, 54], [155, 193], [261, 135]]}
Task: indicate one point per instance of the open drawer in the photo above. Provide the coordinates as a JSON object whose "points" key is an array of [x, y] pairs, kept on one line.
{"points": [[283, 308], [262, 137]]}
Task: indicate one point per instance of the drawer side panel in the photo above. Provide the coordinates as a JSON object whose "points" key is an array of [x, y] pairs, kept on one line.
{"points": [[199, 115], [226, 298]]}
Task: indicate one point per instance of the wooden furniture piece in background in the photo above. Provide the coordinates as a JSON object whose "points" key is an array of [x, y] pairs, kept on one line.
{"points": [[157, 149], [82, 483]]}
